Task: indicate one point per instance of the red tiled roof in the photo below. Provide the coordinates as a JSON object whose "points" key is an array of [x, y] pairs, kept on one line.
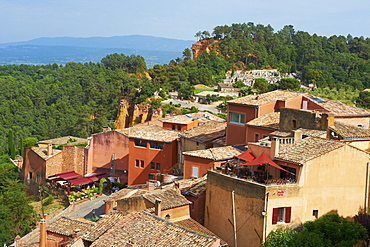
{"points": [[195, 226], [145, 229]]}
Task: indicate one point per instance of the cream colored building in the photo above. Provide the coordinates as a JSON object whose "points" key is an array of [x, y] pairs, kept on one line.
{"points": [[324, 176]]}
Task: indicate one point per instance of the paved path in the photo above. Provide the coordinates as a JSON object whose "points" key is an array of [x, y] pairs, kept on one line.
{"points": [[89, 209]]}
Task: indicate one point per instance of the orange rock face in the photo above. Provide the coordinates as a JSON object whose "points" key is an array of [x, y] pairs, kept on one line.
{"points": [[204, 45]]}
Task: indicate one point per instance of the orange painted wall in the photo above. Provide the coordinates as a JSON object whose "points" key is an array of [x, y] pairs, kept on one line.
{"points": [[168, 126], [33, 163], [99, 154], [252, 131], [203, 165], [166, 157], [236, 133]]}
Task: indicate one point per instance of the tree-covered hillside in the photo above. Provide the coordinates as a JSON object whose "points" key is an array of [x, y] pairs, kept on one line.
{"points": [[78, 99], [323, 61]]}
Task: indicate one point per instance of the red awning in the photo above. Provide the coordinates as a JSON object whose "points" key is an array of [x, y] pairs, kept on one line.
{"points": [[68, 175], [93, 178], [247, 156], [263, 160], [80, 181], [103, 175]]}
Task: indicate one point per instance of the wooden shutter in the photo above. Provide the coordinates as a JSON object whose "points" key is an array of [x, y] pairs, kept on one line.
{"points": [[274, 215], [288, 211]]}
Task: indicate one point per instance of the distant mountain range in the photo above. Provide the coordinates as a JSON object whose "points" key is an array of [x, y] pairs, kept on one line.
{"points": [[62, 50]]}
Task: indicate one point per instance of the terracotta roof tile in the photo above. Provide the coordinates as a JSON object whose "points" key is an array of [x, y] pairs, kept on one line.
{"points": [[188, 118], [206, 132], [63, 140], [220, 153], [266, 97], [307, 149], [220, 141], [197, 188], [151, 133], [102, 226], [337, 107], [170, 199], [67, 226], [349, 131], [42, 152], [305, 132], [144, 229], [270, 120], [195, 226]]}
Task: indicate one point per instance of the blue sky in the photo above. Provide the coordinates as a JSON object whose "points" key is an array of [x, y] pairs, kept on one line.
{"points": [[22, 20]]}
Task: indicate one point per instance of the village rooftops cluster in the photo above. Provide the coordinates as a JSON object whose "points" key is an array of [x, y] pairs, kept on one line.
{"points": [[216, 154], [206, 132], [144, 229], [307, 149], [273, 96], [151, 133]]}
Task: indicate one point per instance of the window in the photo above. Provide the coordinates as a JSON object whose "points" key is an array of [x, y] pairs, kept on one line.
{"points": [[140, 143], [156, 145], [256, 137], [179, 128], [30, 175], [237, 118], [294, 124], [142, 163], [158, 166], [173, 127], [137, 163], [197, 144], [152, 165], [315, 214], [194, 171], [151, 177], [281, 215]]}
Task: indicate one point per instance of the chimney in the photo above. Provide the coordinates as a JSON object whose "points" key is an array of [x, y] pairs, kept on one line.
{"points": [[158, 207], [275, 146], [297, 135], [330, 120], [50, 149], [42, 233], [106, 129]]}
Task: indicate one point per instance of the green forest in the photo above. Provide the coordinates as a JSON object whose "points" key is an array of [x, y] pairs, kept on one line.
{"points": [[77, 99], [39, 102]]}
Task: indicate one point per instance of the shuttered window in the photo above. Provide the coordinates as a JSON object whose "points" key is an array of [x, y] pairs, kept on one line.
{"points": [[281, 215]]}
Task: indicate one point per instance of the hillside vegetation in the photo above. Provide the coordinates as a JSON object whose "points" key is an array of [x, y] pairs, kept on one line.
{"points": [[78, 99]]}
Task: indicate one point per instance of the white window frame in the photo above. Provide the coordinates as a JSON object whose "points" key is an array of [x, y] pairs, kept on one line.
{"points": [[195, 171], [240, 116]]}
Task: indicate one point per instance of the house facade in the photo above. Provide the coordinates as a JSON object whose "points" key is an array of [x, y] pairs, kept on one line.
{"points": [[316, 176]]}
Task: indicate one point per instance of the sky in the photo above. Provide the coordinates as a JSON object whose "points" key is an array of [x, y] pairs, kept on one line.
{"points": [[22, 20]]}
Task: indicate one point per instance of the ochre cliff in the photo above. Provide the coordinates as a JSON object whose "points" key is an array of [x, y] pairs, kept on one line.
{"points": [[128, 114], [207, 45]]}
